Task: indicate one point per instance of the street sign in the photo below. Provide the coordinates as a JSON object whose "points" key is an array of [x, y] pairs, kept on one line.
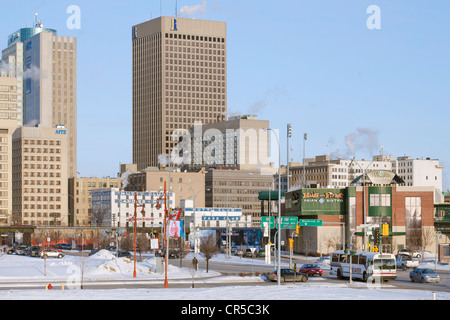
{"points": [[266, 220], [310, 222], [288, 222], [221, 218]]}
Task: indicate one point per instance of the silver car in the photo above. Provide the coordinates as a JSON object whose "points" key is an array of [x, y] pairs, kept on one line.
{"points": [[424, 275], [46, 253]]}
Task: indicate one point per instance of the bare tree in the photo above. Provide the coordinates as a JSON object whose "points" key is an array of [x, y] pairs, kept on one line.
{"points": [[334, 242], [209, 248], [428, 236], [182, 251], [98, 215], [141, 244], [127, 243]]}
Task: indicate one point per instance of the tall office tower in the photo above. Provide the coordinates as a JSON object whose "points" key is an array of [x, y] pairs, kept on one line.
{"points": [[48, 65], [179, 76], [50, 83], [10, 116], [12, 64]]}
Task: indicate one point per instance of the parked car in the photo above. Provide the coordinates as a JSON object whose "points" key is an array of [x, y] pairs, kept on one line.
{"points": [[93, 252], [261, 253], [414, 254], [172, 254], [287, 275], [8, 249], [424, 275], [124, 254], [64, 246], [239, 252], [311, 269], [249, 253], [47, 252], [21, 250], [33, 251]]}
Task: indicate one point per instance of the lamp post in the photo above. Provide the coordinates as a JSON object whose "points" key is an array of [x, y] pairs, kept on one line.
{"points": [[194, 196], [305, 137], [279, 208], [364, 194]]}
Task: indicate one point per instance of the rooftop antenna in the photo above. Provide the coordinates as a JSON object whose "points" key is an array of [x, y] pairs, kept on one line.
{"points": [[176, 8], [37, 22]]}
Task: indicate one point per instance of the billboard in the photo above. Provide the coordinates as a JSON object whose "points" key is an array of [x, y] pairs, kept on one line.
{"points": [[315, 201], [175, 228]]}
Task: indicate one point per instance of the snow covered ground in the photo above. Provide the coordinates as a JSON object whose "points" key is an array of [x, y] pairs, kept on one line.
{"points": [[68, 271]]}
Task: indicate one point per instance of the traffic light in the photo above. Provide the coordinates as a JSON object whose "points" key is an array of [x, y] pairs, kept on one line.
{"points": [[289, 130], [377, 236], [291, 243], [297, 229]]}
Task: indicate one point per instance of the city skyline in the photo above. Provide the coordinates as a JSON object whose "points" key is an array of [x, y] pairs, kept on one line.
{"points": [[363, 90]]}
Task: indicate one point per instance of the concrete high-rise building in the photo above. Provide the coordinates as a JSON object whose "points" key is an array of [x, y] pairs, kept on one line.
{"points": [[40, 180], [179, 77], [50, 84], [10, 120], [237, 189], [241, 142], [46, 65]]}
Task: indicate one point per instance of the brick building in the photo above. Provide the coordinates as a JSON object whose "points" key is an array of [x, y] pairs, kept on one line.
{"points": [[408, 211]]}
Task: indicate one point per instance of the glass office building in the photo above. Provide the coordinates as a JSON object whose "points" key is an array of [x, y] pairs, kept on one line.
{"points": [[24, 34]]}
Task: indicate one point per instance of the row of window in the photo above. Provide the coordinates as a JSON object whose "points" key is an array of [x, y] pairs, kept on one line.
{"points": [[192, 37]]}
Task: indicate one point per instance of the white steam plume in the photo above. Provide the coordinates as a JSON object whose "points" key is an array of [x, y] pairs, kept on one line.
{"points": [[192, 10]]}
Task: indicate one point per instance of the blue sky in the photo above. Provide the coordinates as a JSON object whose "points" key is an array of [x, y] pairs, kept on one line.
{"points": [[314, 64]]}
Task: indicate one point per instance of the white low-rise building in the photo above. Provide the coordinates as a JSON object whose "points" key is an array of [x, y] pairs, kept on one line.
{"points": [[116, 208], [214, 217]]}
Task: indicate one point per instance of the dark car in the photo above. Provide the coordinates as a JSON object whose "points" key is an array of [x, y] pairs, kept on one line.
{"points": [[249, 253], [124, 254], [311, 269], [424, 275], [261, 253], [93, 252], [64, 246], [172, 255], [33, 251], [21, 250], [287, 275]]}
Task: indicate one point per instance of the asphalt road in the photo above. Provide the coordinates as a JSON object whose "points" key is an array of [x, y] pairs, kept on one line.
{"points": [[402, 281]]}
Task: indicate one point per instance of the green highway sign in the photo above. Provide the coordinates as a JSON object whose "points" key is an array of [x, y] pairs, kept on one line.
{"points": [[266, 220], [310, 222], [288, 222]]}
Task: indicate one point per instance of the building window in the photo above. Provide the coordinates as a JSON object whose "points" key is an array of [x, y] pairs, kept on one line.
{"points": [[413, 215], [380, 200]]}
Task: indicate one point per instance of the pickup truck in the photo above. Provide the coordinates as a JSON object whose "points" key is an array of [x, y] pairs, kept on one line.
{"points": [[405, 261]]}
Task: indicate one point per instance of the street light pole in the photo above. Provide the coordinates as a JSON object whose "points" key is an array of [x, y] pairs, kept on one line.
{"points": [[166, 284], [279, 208]]}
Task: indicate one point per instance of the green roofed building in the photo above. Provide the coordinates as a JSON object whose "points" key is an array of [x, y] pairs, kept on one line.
{"points": [[406, 211]]}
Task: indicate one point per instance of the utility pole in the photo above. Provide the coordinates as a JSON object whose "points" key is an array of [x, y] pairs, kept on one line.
{"points": [[289, 134]]}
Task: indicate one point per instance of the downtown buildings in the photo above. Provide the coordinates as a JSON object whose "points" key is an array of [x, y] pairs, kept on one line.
{"points": [[38, 123], [179, 85], [179, 77]]}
